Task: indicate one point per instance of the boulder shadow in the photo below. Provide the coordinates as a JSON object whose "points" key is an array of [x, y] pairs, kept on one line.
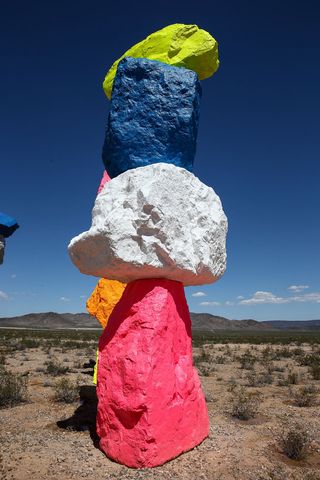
{"points": [[84, 417]]}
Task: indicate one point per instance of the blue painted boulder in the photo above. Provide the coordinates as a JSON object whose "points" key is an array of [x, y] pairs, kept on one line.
{"points": [[153, 117], [8, 225]]}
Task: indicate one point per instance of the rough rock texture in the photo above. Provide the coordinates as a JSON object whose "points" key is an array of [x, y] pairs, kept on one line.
{"points": [[103, 299], [151, 407], [151, 222], [178, 44], [154, 116], [105, 179]]}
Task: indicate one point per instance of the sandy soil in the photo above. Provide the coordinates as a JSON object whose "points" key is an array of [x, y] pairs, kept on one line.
{"points": [[43, 439]]}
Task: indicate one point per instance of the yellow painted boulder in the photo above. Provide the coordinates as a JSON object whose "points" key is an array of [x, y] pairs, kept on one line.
{"points": [[104, 298], [180, 45]]}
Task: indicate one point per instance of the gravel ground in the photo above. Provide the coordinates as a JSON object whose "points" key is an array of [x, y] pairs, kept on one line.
{"points": [[43, 439]]}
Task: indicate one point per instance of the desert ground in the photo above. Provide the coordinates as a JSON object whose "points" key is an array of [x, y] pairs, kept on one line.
{"points": [[262, 398]]}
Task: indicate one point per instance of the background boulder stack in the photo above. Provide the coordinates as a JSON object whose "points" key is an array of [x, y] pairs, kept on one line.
{"points": [[8, 225]]}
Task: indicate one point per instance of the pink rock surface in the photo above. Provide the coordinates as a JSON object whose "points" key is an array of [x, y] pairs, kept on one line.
{"points": [[151, 406], [105, 179]]}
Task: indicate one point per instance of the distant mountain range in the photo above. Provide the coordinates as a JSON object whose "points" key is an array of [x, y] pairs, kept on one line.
{"points": [[208, 322], [51, 320], [200, 321], [294, 324]]}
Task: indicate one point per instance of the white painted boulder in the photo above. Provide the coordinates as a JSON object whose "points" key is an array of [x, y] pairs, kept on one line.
{"points": [[158, 221], [2, 247]]}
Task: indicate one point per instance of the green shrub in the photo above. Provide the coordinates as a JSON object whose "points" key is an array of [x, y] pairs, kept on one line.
{"points": [[295, 441], [55, 369], [26, 343], [66, 390], [13, 389]]}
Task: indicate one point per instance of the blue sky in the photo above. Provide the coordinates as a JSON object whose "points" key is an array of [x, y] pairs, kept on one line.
{"points": [[258, 146]]}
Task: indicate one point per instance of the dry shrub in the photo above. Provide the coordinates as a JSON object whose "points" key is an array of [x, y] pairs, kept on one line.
{"points": [[308, 360], [220, 359], [295, 440], [247, 361], [205, 369], [305, 396], [232, 385], [2, 359], [66, 390], [276, 472], [256, 379], [269, 366], [292, 378], [314, 369], [13, 389], [244, 404], [283, 352]]}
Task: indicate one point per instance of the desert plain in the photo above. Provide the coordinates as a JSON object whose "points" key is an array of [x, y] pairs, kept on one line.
{"points": [[262, 394]]}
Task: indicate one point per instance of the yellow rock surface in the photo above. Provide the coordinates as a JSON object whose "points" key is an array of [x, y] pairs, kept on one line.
{"points": [[179, 45], [95, 368], [104, 298]]}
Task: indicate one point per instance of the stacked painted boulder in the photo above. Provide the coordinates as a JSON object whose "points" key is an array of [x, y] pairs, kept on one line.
{"points": [[8, 225], [156, 227]]}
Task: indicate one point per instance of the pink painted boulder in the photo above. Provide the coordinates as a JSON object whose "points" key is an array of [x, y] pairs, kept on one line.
{"points": [[105, 179], [151, 406]]}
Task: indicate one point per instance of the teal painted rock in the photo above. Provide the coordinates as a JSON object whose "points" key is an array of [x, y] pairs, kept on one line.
{"points": [[153, 118]]}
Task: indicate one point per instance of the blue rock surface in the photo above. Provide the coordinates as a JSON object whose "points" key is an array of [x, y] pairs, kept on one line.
{"points": [[153, 117], [8, 225]]}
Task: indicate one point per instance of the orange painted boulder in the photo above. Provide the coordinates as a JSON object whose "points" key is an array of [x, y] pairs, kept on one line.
{"points": [[104, 298], [151, 406]]}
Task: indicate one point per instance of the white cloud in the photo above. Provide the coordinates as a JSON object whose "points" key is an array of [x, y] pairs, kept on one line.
{"points": [[229, 303], [3, 295], [240, 297], [199, 294], [263, 297], [298, 288], [13, 275], [210, 303], [307, 297], [65, 299], [269, 298]]}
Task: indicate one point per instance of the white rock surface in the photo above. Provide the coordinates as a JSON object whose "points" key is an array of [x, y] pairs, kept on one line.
{"points": [[157, 221]]}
